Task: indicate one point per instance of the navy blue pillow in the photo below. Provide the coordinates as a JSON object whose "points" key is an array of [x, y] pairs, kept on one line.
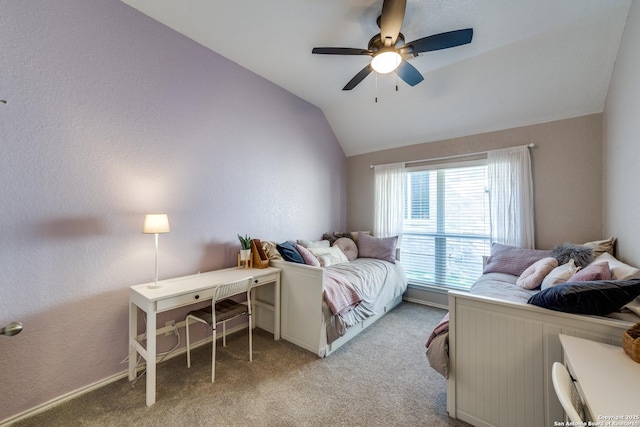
{"points": [[598, 297], [289, 252]]}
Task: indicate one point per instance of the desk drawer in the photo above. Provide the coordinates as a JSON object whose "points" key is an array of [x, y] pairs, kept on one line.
{"points": [[202, 295], [186, 299], [266, 279]]}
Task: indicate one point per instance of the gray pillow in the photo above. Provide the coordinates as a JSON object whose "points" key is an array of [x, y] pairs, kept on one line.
{"points": [[383, 248], [581, 255]]}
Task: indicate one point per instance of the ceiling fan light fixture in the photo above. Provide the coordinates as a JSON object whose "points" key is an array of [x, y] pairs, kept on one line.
{"points": [[386, 61]]}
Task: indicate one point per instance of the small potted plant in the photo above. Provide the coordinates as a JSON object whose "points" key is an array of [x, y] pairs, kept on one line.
{"points": [[245, 247]]}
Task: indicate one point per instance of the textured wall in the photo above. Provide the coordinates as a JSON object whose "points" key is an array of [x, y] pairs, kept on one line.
{"points": [[567, 174], [110, 116], [622, 144]]}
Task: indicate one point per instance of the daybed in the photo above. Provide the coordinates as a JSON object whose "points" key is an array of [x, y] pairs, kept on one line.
{"points": [[325, 303], [501, 346]]}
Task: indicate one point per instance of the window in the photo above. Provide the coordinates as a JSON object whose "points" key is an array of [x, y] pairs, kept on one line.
{"points": [[417, 197], [446, 229]]}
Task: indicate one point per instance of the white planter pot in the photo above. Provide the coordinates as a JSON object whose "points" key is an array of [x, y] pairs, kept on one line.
{"points": [[245, 254]]}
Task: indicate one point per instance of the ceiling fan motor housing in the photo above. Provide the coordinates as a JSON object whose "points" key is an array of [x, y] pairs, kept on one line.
{"points": [[376, 43]]}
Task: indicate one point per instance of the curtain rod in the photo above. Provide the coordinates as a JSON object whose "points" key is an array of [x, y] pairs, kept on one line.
{"points": [[531, 145]]}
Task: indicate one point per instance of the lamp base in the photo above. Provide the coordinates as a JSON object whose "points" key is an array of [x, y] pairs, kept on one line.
{"points": [[155, 285]]}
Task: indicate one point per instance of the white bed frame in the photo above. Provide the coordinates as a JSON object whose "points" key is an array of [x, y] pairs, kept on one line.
{"points": [[301, 318], [500, 357]]}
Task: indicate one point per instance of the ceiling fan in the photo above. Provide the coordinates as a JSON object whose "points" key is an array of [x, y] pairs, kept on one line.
{"points": [[388, 50]]}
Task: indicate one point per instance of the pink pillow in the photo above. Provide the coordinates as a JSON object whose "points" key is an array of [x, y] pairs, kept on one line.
{"points": [[512, 260], [383, 248], [594, 271], [347, 246], [307, 256], [533, 276]]}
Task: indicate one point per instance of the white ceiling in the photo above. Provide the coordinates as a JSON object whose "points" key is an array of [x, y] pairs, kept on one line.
{"points": [[530, 61]]}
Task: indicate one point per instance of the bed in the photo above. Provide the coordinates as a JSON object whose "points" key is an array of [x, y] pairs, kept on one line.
{"points": [[323, 307], [501, 346]]}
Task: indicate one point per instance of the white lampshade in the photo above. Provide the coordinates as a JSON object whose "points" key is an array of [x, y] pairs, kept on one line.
{"points": [[386, 61], [155, 224]]}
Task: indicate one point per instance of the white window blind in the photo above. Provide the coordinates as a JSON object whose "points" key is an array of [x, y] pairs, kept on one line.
{"points": [[446, 227]]}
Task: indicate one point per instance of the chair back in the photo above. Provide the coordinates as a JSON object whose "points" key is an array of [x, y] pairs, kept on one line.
{"points": [[567, 393], [232, 288]]}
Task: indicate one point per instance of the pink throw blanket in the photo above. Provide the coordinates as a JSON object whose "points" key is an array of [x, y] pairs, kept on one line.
{"points": [[339, 294], [441, 327]]}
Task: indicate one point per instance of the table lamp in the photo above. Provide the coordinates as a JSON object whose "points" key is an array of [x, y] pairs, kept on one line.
{"points": [[156, 224]]}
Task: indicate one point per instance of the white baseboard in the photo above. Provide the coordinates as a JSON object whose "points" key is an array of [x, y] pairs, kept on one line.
{"points": [[106, 381], [423, 302]]}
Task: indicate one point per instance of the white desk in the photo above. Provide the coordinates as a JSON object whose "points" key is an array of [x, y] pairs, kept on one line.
{"points": [[183, 291], [607, 378]]}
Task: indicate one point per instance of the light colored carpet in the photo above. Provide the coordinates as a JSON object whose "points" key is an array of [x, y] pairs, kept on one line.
{"points": [[380, 378]]}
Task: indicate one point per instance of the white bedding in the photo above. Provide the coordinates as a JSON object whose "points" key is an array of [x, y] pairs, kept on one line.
{"points": [[377, 282], [501, 286]]}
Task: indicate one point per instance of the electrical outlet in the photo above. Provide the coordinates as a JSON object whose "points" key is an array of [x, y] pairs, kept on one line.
{"points": [[171, 324]]}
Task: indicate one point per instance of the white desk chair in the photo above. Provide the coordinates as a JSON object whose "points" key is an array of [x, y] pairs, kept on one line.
{"points": [[222, 310], [567, 392]]}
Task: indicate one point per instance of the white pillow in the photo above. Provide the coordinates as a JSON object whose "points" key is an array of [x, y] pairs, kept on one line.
{"points": [[532, 277], [329, 256], [271, 249], [634, 306], [314, 243], [560, 274], [620, 270]]}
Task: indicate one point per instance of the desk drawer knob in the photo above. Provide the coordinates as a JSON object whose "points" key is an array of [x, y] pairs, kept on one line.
{"points": [[255, 281], [197, 297]]}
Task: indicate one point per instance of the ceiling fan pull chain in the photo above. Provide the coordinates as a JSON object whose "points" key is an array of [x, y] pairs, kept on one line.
{"points": [[376, 87]]}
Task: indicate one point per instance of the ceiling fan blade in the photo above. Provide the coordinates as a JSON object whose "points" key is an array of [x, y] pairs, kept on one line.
{"points": [[358, 77], [340, 51], [439, 41], [391, 20], [409, 73]]}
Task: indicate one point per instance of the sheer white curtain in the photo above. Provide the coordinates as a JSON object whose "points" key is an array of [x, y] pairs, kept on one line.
{"points": [[511, 197], [390, 181]]}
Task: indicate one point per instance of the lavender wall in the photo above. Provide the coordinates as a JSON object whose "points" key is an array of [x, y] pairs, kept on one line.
{"points": [[111, 115]]}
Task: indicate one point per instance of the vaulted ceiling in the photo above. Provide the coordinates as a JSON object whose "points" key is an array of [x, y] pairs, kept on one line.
{"points": [[530, 61]]}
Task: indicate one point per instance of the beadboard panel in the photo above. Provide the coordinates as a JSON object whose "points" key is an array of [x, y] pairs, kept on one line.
{"points": [[501, 355]]}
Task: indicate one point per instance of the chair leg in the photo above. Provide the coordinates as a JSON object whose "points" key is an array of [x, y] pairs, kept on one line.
{"points": [[249, 314], [250, 339], [186, 327], [224, 333], [213, 354]]}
